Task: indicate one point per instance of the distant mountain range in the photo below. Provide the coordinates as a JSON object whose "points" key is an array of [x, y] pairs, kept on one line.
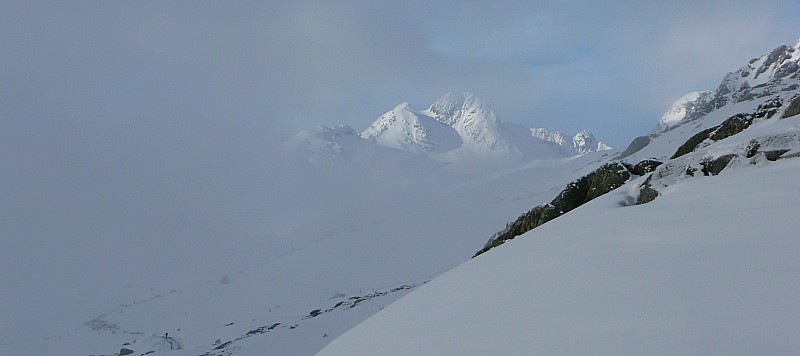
{"points": [[455, 128]]}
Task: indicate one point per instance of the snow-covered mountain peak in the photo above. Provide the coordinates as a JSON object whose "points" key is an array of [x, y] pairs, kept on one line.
{"points": [[407, 129], [769, 74], [585, 142], [548, 136], [769, 69], [446, 108], [323, 142], [682, 108], [582, 142], [453, 108], [457, 128]]}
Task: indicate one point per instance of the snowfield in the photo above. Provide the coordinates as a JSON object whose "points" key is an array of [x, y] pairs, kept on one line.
{"points": [[710, 267]]}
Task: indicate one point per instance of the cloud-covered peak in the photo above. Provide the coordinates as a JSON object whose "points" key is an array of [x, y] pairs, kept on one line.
{"points": [[682, 108]]}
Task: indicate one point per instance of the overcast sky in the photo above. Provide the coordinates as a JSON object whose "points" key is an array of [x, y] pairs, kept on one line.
{"points": [[121, 108], [252, 69]]}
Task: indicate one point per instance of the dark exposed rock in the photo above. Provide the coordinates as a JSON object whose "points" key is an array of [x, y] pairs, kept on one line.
{"points": [[646, 192], [693, 142], [645, 166], [262, 329], [223, 345], [793, 109], [635, 146], [608, 177], [752, 148], [733, 125], [712, 167], [774, 155], [125, 351]]}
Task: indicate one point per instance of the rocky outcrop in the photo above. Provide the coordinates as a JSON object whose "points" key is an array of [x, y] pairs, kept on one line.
{"points": [[767, 75], [793, 109], [646, 192], [635, 146], [732, 126], [712, 167], [608, 177]]}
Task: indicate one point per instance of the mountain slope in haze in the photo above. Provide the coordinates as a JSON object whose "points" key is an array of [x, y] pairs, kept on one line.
{"points": [[762, 76], [705, 265], [480, 130], [580, 143], [681, 108], [406, 129], [306, 252], [459, 129]]}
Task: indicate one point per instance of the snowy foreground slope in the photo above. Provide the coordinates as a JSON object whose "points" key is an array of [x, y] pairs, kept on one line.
{"points": [[710, 267]]}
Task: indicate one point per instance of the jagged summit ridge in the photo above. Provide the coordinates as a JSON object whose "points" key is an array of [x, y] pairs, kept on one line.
{"points": [[455, 128], [457, 124], [581, 143], [762, 76], [407, 129], [445, 109], [585, 142]]}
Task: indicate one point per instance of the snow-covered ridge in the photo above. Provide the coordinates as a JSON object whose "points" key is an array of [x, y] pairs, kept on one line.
{"points": [[582, 142], [762, 76], [407, 129], [460, 122], [681, 108]]}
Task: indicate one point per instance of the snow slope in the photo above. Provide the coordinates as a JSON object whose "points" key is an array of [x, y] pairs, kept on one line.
{"points": [[707, 268]]}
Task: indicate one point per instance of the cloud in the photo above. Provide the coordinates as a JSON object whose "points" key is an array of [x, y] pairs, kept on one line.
{"points": [[274, 68]]}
